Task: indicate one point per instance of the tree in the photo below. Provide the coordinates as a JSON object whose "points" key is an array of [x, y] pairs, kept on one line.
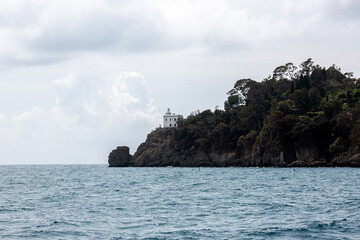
{"points": [[307, 67], [318, 80], [314, 98], [334, 74], [287, 71], [284, 106], [341, 126], [332, 108], [241, 88], [349, 74], [232, 101], [300, 98]]}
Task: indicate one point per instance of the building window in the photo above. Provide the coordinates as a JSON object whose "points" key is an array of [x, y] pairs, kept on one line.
{"points": [[170, 124], [165, 119], [170, 119], [175, 119], [175, 125]]}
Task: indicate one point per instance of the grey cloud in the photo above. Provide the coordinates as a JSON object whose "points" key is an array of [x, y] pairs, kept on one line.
{"points": [[347, 11], [44, 34], [18, 15], [128, 27], [101, 31], [76, 36], [219, 45], [11, 61]]}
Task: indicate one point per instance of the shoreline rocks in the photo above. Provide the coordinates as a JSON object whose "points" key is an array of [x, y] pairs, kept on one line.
{"points": [[120, 157], [163, 148]]}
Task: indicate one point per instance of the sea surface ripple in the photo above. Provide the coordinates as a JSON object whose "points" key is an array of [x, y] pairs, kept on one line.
{"points": [[97, 202]]}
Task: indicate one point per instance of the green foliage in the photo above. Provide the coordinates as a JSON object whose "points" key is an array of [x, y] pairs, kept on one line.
{"points": [[300, 98], [303, 129], [332, 108], [285, 106], [309, 106], [233, 101], [287, 71], [314, 98], [342, 125], [307, 67]]}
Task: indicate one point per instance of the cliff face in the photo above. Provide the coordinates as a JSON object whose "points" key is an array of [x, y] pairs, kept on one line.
{"points": [[159, 149], [120, 157], [163, 148]]}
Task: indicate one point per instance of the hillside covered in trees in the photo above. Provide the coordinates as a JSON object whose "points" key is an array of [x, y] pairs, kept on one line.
{"points": [[300, 116]]}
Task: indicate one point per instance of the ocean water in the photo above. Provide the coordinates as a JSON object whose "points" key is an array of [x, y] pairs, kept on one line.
{"points": [[97, 202]]}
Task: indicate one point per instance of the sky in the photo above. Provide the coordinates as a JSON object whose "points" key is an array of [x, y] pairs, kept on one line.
{"points": [[79, 78]]}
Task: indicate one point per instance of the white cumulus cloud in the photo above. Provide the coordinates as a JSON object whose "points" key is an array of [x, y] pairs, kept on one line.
{"points": [[67, 81], [97, 115]]}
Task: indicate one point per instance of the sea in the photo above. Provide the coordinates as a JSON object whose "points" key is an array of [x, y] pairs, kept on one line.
{"points": [[98, 202]]}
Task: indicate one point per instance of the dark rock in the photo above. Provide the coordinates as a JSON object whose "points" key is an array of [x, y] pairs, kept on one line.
{"points": [[157, 150], [298, 164], [120, 157], [320, 164], [348, 160], [354, 161], [163, 147]]}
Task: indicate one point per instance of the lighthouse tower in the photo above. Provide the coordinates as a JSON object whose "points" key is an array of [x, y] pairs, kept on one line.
{"points": [[171, 119]]}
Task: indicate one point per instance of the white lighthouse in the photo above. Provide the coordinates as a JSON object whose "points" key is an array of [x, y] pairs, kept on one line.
{"points": [[171, 119]]}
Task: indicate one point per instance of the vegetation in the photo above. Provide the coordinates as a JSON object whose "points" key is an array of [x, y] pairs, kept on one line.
{"points": [[297, 107]]}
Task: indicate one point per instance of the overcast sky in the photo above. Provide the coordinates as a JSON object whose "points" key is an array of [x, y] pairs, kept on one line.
{"points": [[79, 78]]}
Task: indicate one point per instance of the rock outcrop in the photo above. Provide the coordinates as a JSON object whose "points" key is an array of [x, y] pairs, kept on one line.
{"points": [[120, 157], [163, 148], [347, 160]]}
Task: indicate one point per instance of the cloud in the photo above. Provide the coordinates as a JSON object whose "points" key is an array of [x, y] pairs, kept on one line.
{"points": [[88, 118], [44, 32], [67, 81], [343, 10], [67, 27], [2, 117], [27, 116], [125, 92]]}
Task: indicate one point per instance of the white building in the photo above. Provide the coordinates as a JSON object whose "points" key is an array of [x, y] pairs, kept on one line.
{"points": [[171, 120]]}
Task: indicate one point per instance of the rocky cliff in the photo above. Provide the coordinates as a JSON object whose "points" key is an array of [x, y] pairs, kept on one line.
{"points": [[162, 148], [120, 157]]}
